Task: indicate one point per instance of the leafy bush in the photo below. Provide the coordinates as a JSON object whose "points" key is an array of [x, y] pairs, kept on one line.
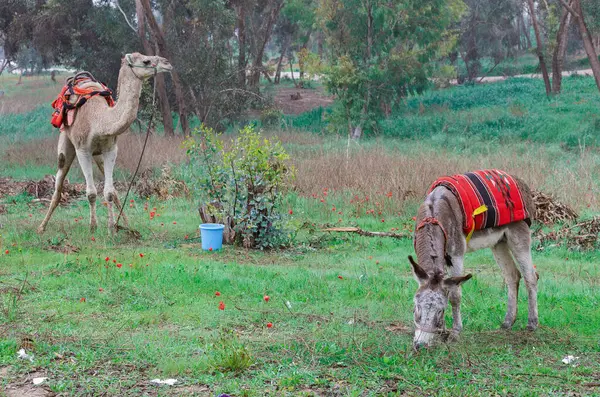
{"points": [[242, 184]]}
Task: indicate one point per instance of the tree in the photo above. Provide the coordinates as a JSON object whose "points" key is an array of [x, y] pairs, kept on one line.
{"points": [[265, 15], [159, 79], [380, 51], [577, 12], [560, 48], [539, 47], [163, 50], [488, 30]]}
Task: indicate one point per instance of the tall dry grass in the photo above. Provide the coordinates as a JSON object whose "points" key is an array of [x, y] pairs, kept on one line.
{"points": [[29, 94], [406, 169], [410, 172], [159, 151]]}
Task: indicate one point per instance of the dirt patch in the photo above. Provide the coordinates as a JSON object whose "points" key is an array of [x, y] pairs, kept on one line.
{"points": [[398, 328], [62, 246], [26, 388], [165, 186], [308, 99], [41, 190], [192, 390]]}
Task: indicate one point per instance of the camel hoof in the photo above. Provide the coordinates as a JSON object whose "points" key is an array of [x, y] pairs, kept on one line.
{"points": [[41, 230]]}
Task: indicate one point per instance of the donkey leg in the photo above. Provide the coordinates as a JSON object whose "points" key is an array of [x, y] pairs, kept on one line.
{"points": [[519, 242], [455, 295], [66, 155], [85, 162], [511, 277]]}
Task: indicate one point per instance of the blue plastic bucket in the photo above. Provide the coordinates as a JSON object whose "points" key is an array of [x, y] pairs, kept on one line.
{"points": [[212, 236]]}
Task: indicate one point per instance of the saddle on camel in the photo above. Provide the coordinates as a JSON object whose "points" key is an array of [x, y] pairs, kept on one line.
{"points": [[75, 93]]}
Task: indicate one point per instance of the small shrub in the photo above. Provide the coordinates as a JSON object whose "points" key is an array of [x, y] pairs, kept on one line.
{"points": [[230, 355], [271, 117], [242, 184]]}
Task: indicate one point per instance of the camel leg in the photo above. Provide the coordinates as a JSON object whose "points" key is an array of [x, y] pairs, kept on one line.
{"points": [[519, 243], [100, 164], [455, 295], [512, 276], [66, 155], [110, 193], [85, 162]]}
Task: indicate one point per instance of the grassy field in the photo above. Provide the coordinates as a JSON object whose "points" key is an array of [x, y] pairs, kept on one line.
{"points": [[340, 305]]}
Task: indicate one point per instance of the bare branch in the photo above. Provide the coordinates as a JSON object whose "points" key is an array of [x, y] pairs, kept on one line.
{"points": [[125, 16], [366, 233], [569, 8]]}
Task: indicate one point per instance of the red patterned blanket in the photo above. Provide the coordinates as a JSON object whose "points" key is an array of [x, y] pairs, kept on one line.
{"points": [[488, 198]]}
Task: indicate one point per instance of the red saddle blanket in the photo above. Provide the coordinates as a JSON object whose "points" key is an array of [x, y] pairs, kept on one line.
{"points": [[63, 106], [488, 198]]}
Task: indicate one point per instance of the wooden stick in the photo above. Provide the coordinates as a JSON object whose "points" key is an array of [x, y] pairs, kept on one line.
{"points": [[366, 233]]}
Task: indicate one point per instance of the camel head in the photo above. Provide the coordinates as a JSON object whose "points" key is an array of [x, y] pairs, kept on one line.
{"points": [[146, 66]]}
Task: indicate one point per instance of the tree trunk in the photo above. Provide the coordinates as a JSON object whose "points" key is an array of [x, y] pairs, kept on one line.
{"points": [[539, 47], [292, 72], [320, 40], [587, 40], [241, 35], [4, 65], [525, 30], [159, 79], [159, 38], [369, 8], [267, 28], [559, 51], [284, 49]]}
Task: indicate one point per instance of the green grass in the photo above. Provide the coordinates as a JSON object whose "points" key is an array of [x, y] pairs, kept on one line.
{"points": [[472, 117], [157, 316], [513, 110]]}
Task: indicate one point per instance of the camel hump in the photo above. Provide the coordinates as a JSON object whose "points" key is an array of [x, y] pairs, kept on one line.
{"points": [[86, 85], [91, 84]]}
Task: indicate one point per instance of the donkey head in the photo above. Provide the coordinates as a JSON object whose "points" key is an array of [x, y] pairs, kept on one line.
{"points": [[431, 300]]}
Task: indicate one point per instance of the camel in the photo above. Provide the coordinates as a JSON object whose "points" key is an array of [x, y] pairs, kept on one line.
{"points": [[93, 135], [440, 242]]}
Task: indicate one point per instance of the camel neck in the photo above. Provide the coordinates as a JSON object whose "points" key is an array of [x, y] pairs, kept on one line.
{"points": [[129, 89]]}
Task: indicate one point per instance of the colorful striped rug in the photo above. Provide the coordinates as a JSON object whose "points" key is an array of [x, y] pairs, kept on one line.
{"points": [[488, 198]]}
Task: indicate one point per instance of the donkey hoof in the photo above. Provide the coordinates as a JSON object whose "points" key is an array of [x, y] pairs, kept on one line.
{"points": [[453, 336], [507, 325], [532, 327], [41, 230]]}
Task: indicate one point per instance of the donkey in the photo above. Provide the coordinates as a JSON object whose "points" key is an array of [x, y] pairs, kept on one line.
{"points": [[440, 242]]}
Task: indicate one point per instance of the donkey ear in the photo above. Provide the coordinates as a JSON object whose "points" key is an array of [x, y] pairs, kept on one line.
{"points": [[456, 281], [420, 274]]}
